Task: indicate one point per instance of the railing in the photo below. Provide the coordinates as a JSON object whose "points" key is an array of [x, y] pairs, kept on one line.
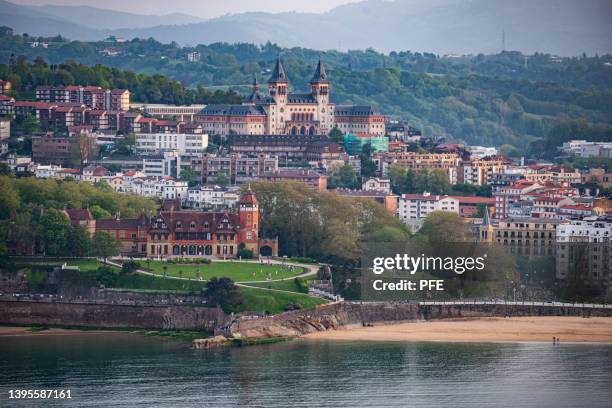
{"points": [[519, 303]]}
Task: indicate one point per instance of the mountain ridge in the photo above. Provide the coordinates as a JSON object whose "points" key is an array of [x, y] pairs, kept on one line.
{"points": [[561, 27]]}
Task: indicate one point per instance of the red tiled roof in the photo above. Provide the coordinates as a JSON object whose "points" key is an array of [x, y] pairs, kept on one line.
{"points": [[34, 104], [79, 215], [475, 200]]}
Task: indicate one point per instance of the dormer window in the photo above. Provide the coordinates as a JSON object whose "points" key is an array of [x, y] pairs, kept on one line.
{"points": [[179, 225], [205, 225], [192, 225]]}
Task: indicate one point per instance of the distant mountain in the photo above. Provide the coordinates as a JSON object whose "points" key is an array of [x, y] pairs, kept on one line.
{"points": [[111, 19], [26, 20], [563, 27]]}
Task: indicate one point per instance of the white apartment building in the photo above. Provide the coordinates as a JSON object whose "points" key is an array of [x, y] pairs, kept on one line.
{"points": [[478, 152], [167, 164], [585, 247], [185, 144], [205, 197], [377, 184], [582, 148], [412, 209], [165, 188]]}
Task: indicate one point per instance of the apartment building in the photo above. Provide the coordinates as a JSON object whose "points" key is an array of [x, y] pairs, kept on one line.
{"points": [[584, 250], [91, 96], [449, 162], [412, 209], [237, 168], [184, 144]]}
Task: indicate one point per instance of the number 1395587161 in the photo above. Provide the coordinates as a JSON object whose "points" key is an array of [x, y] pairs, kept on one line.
{"points": [[39, 394]]}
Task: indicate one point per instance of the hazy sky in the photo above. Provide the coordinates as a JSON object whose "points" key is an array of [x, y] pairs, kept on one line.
{"points": [[200, 8]]}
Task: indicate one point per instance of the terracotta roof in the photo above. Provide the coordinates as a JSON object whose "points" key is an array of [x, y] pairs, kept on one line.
{"points": [[79, 215], [475, 200]]}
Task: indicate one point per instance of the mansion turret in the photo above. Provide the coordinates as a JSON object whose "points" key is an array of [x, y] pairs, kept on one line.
{"points": [[281, 112]]}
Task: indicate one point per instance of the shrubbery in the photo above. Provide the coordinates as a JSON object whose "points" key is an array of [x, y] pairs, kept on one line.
{"points": [[245, 253], [189, 261]]}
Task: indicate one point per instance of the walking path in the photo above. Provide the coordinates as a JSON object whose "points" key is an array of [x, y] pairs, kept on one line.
{"points": [[309, 270]]}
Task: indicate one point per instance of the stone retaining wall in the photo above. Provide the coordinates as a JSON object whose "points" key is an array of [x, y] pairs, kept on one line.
{"points": [[111, 316]]}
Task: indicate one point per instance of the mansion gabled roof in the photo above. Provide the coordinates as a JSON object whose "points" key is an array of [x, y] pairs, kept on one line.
{"points": [[235, 110], [197, 221], [356, 110], [301, 98]]}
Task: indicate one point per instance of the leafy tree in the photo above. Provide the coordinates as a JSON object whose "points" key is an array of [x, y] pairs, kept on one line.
{"points": [[30, 124], [129, 267], [245, 253], [368, 167], [79, 242], [57, 232], [9, 199], [127, 145], [344, 177], [223, 292], [336, 135], [99, 213], [222, 180], [105, 245]]}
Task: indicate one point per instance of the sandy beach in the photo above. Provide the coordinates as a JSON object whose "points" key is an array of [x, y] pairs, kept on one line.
{"points": [[485, 330]]}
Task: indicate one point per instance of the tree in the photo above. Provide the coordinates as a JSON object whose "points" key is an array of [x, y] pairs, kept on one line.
{"points": [[79, 242], [344, 177], [104, 245], [222, 180], [29, 125], [368, 167], [191, 176], [9, 199], [99, 213], [442, 227], [336, 135], [127, 145], [56, 231], [223, 292]]}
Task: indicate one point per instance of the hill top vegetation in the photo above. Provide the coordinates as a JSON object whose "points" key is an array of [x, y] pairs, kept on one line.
{"points": [[507, 98]]}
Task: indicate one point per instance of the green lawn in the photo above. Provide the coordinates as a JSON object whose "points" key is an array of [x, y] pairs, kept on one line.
{"points": [[256, 300], [288, 285], [274, 302], [236, 271]]}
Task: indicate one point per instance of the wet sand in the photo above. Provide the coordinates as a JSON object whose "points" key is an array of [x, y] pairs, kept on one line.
{"points": [[483, 330]]}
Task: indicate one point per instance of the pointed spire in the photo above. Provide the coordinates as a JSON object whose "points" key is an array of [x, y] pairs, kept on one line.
{"points": [[485, 219], [320, 75], [254, 97], [278, 75]]}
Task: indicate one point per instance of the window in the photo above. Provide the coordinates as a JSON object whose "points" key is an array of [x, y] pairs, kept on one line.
{"points": [[179, 224]]}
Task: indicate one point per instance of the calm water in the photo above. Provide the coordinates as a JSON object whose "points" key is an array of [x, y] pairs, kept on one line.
{"points": [[123, 370]]}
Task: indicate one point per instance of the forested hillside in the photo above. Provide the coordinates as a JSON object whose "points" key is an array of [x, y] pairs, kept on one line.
{"points": [[506, 98]]}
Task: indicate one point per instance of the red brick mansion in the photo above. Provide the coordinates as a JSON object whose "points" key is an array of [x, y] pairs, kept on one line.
{"points": [[181, 233]]}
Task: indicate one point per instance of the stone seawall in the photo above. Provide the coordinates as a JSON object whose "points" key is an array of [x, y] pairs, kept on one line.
{"points": [[111, 316], [339, 315]]}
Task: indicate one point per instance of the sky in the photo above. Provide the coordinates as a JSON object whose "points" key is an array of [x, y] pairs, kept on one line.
{"points": [[199, 8]]}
